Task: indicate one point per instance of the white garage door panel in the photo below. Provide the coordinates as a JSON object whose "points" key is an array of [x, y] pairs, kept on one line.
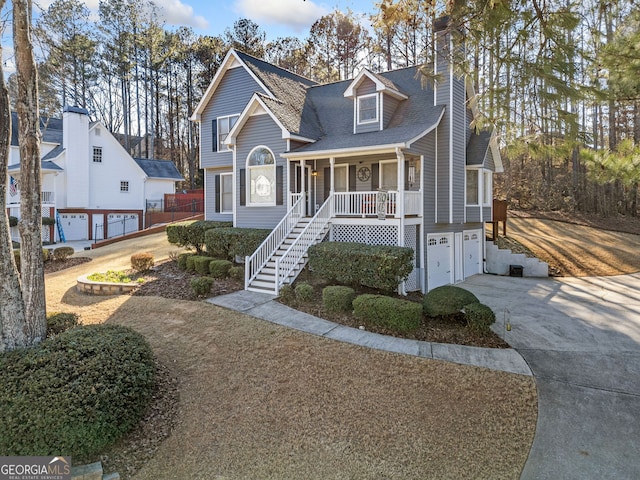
{"points": [[472, 252], [75, 226], [121, 224], [439, 260]]}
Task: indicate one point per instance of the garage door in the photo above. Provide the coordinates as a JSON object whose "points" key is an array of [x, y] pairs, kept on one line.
{"points": [[75, 226], [472, 253], [121, 223], [439, 260]]}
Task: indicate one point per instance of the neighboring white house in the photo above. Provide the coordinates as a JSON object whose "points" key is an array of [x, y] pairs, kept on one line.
{"points": [[96, 188]]}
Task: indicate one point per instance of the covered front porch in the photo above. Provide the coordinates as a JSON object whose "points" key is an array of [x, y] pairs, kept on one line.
{"points": [[367, 186]]}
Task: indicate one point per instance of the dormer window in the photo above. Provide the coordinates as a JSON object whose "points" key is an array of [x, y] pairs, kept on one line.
{"points": [[367, 108]]}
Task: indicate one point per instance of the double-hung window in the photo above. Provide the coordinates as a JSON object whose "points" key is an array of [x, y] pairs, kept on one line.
{"points": [[97, 154], [226, 193], [473, 189], [124, 186], [367, 108], [221, 128]]}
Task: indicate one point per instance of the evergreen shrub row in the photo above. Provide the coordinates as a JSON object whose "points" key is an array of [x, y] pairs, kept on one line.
{"points": [[231, 242], [357, 264], [191, 234]]}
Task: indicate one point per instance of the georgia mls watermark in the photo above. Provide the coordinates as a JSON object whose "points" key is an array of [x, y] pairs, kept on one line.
{"points": [[35, 468]]}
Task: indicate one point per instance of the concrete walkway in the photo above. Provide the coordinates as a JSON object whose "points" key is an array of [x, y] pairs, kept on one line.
{"points": [[581, 338]]}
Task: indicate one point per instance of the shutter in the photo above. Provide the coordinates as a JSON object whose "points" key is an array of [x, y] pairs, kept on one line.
{"points": [[214, 135], [406, 175], [327, 182], [375, 176], [243, 186], [279, 185], [218, 193], [352, 178]]}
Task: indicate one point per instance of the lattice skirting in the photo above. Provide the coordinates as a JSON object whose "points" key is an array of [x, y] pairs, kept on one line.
{"points": [[383, 235]]}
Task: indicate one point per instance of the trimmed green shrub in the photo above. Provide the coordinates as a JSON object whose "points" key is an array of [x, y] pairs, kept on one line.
{"points": [[377, 266], [60, 254], [338, 298], [192, 234], [236, 272], [479, 317], [77, 392], [388, 312], [142, 262], [182, 260], [220, 268], [200, 264], [287, 293], [60, 322], [46, 254], [13, 221], [191, 264], [304, 292], [231, 242], [201, 286], [447, 300], [48, 221]]}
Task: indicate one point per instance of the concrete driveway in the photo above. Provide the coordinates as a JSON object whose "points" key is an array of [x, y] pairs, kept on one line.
{"points": [[581, 339]]}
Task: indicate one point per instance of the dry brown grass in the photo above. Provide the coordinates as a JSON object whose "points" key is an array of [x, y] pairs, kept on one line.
{"points": [[261, 401]]}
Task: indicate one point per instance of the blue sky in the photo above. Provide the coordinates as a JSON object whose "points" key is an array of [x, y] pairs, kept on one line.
{"points": [[278, 18]]}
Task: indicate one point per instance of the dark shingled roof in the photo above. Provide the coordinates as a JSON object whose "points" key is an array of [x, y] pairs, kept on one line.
{"points": [[55, 153], [477, 147], [412, 117], [51, 129], [44, 165], [159, 168], [385, 81], [290, 91]]}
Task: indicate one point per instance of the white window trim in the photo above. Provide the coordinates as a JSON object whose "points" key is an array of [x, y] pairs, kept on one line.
{"points": [[341, 169], [95, 149], [229, 174], [248, 178], [122, 182], [380, 173], [223, 147], [372, 120], [487, 193], [478, 187]]}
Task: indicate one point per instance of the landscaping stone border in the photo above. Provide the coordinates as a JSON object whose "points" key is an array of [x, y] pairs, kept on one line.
{"points": [[90, 287]]}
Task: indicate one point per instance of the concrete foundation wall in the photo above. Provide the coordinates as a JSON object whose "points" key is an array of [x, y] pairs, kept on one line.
{"points": [[499, 261]]}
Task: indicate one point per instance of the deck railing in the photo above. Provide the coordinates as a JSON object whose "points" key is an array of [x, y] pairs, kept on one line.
{"points": [[365, 204], [45, 197], [260, 257], [312, 234]]}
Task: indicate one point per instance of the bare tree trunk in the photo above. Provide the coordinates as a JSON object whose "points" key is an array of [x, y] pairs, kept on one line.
{"points": [[11, 304], [32, 270]]}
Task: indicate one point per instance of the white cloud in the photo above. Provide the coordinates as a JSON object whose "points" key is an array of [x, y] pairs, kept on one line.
{"points": [[8, 59], [177, 13], [296, 14]]}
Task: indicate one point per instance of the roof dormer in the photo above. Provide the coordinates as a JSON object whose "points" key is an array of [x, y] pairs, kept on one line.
{"points": [[375, 99]]}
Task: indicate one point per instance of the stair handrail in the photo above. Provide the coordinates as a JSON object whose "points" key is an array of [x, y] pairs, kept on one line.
{"points": [[308, 237], [255, 262]]}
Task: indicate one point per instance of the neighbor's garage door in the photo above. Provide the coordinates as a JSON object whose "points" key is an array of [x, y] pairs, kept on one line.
{"points": [[121, 224], [472, 252], [75, 226], [439, 260]]}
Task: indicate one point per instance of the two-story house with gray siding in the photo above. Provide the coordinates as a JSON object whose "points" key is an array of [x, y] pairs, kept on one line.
{"points": [[379, 159]]}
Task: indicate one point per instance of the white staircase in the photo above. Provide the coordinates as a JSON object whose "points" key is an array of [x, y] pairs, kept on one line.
{"points": [[287, 250], [265, 280]]}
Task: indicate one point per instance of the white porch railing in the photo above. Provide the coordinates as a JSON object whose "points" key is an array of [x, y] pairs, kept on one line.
{"points": [[45, 197], [293, 198], [353, 204], [260, 257], [312, 234]]}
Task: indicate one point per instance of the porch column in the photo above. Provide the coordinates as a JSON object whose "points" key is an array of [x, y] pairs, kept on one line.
{"points": [[400, 199], [332, 164], [303, 193]]}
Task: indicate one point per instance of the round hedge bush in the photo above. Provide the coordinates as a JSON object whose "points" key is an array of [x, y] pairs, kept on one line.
{"points": [[447, 300], [76, 393], [304, 292], [201, 286], [338, 298], [479, 317], [388, 312]]}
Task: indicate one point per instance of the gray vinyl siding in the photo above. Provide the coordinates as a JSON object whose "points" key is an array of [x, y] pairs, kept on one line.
{"points": [[427, 146], [473, 213], [367, 87], [487, 214], [260, 130], [210, 197], [459, 148], [231, 96], [389, 106], [488, 161], [296, 144]]}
